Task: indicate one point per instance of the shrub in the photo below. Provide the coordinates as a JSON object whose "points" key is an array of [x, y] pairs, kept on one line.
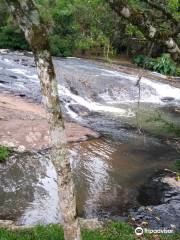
{"points": [[63, 47], [4, 153], [12, 38], [164, 64]]}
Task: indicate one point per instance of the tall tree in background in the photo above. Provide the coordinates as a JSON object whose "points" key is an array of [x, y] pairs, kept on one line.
{"points": [[27, 16]]}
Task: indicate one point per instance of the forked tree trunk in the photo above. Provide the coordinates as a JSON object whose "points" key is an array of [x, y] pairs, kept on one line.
{"points": [[28, 18]]}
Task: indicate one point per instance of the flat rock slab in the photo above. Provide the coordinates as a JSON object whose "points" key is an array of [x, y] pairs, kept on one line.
{"points": [[24, 123]]}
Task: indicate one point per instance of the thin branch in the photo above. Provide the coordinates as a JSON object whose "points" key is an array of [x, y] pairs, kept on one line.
{"points": [[165, 11]]}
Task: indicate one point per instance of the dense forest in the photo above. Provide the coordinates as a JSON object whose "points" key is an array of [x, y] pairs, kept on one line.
{"points": [[95, 27]]}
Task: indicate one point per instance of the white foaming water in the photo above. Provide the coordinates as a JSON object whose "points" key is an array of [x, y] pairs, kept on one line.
{"points": [[163, 89], [159, 90], [19, 71], [123, 98], [94, 106], [109, 73], [25, 73], [6, 61]]}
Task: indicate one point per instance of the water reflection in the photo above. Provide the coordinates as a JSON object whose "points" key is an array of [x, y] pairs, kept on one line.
{"points": [[107, 176], [108, 173]]}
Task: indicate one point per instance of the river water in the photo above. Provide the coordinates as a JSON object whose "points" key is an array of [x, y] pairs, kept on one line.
{"points": [[109, 171]]}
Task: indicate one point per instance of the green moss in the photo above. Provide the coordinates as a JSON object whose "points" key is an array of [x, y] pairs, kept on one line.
{"points": [[4, 153]]}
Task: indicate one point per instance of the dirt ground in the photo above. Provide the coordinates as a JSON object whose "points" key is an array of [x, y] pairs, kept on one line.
{"points": [[23, 123]]}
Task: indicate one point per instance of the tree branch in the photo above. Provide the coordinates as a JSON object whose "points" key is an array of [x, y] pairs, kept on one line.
{"points": [[165, 11], [139, 19]]}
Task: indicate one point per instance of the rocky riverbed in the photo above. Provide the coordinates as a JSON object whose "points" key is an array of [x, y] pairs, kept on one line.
{"points": [[160, 197], [110, 172]]}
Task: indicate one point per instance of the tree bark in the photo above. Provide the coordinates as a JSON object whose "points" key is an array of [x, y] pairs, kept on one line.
{"points": [[29, 20], [139, 19]]}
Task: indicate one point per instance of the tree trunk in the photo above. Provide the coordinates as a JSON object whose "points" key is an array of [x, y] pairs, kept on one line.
{"points": [[27, 16], [140, 20]]}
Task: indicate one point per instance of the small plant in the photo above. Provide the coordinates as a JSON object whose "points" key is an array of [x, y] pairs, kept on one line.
{"points": [[176, 167], [4, 153], [164, 64]]}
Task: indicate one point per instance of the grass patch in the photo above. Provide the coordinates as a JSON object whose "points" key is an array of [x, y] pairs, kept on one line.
{"points": [[51, 232], [113, 231], [4, 153]]}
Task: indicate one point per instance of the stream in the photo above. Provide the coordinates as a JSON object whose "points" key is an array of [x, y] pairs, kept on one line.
{"points": [[108, 171]]}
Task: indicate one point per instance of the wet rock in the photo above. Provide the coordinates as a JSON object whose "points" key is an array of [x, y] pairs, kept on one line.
{"points": [[6, 223], [22, 95], [5, 50], [12, 76], [21, 149], [25, 183], [80, 110], [74, 91], [175, 110], [167, 99], [163, 191], [93, 223], [153, 192], [2, 81]]}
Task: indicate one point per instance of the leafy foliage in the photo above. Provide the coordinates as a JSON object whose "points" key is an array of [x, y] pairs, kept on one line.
{"points": [[4, 153], [75, 26], [80, 27], [164, 64], [173, 6], [11, 37]]}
